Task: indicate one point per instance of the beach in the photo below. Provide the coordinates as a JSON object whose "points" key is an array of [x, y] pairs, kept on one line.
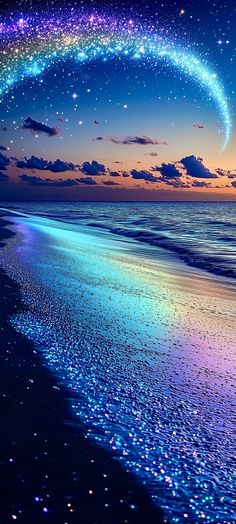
{"points": [[137, 349], [117, 262], [50, 472]]}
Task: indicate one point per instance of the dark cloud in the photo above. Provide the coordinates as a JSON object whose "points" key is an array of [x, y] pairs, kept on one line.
{"points": [[143, 175], [58, 166], [3, 148], [125, 175], [87, 181], [3, 128], [198, 183], [131, 139], [39, 127], [196, 168], [37, 181], [151, 154], [110, 183], [114, 173], [223, 172], [233, 183], [168, 171], [96, 122], [3, 177], [32, 163], [177, 183], [93, 168], [4, 161], [198, 126]]}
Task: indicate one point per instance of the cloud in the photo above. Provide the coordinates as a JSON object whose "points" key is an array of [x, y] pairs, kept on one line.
{"points": [[198, 126], [177, 183], [114, 173], [110, 183], [39, 127], [4, 161], [196, 168], [58, 166], [152, 153], [132, 139], [3, 148], [3, 177], [143, 175], [168, 171], [223, 172], [69, 182], [198, 183], [37, 181], [93, 168], [125, 175], [87, 180], [32, 163], [233, 183]]}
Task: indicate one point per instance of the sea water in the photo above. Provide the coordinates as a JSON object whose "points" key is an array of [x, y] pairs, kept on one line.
{"points": [[202, 234]]}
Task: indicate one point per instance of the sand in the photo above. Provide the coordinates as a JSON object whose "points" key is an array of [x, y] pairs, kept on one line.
{"points": [[49, 471]]}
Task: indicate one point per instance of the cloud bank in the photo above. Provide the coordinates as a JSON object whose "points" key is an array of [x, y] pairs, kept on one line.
{"points": [[58, 166]]}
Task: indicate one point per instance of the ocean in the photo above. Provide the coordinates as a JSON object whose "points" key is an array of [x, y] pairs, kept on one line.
{"points": [[201, 234], [132, 307]]}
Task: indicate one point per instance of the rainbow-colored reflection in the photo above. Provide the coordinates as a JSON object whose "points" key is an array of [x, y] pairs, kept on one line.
{"points": [[140, 343]]}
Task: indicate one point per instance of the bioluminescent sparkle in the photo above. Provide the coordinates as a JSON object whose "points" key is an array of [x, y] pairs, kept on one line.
{"points": [[31, 45], [140, 349]]}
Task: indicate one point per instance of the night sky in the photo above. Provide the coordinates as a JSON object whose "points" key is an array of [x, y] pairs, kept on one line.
{"points": [[127, 102]]}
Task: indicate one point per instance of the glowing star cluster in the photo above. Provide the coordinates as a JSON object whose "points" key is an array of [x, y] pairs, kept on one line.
{"points": [[29, 45]]}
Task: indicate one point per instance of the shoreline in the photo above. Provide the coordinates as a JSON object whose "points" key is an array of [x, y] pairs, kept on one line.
{"points": [[191, 258], [49, 471]]}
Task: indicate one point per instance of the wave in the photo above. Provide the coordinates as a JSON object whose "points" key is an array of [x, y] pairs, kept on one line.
{"points": [[202, 235], [213, 264]]}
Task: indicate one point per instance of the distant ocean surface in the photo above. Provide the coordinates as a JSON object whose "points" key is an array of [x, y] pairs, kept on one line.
{"points": [[203, 235]]}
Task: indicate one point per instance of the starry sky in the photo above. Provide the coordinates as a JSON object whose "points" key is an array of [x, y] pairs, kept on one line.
{"points": [[100, 101]]}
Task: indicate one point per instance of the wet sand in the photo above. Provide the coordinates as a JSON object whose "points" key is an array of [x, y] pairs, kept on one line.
{"points": [[49, 471]]}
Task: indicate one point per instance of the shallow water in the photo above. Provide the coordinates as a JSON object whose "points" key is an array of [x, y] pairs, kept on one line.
{"points": [[202, 234], [146, 345]]}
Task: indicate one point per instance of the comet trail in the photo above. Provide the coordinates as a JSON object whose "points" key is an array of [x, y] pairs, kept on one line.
{"points": [[30, 45]]}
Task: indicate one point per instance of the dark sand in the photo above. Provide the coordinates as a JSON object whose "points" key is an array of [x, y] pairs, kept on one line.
{"points": [[49, 471]]}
